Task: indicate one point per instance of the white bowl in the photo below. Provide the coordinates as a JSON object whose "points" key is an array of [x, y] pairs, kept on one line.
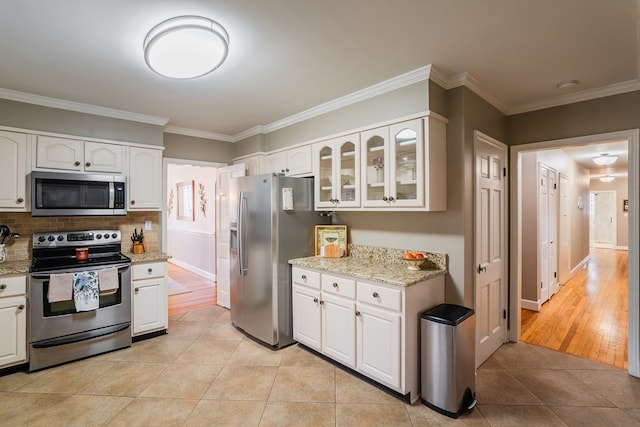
{"points": [[414, 264]]}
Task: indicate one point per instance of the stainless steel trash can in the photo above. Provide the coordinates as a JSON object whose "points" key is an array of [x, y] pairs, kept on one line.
{"points": [[448, 359]]}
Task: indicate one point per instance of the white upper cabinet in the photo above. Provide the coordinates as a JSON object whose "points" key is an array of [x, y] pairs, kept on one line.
{"points": [[392, 166], [13, 149], [145, 179], [293, 162], [336, 167], [77, 155]]}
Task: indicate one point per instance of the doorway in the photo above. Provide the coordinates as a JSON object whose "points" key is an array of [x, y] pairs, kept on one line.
{"points": [[603, 224], [516, 228]]}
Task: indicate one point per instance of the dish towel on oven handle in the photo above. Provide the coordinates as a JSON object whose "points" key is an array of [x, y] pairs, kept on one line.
{"points": [[60, 287], [108, 281], [85, 291]]}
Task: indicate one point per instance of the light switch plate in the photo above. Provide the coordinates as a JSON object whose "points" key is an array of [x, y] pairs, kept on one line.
{"points": [[147, 225]]}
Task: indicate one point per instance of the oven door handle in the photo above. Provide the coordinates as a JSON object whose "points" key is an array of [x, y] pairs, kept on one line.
{"points": [[121, 270]]}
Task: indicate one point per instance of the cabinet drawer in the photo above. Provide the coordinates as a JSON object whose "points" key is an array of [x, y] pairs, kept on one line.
{"points": [[338, 286], [148, 271], [380, 296], [306, 277], [13, 285]]}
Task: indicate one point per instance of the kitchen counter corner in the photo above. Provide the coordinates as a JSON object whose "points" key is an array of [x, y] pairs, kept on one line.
{"points": [[153, 256]]}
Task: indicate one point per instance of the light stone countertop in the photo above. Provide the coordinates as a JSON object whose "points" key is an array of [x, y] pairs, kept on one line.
{"points": [[377, 264], [22, 266]]}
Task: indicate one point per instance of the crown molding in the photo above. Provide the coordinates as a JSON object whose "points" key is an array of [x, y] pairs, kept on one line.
{"points": [[198, 133], [249, 133], [79, 107], [570, 98], [469, 81]]}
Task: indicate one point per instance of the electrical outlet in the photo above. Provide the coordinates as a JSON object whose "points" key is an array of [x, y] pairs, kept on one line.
{"points": [[147, 225]]}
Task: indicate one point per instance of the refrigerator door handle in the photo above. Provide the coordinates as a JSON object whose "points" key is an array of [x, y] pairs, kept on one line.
{"points": [[242, 219]]}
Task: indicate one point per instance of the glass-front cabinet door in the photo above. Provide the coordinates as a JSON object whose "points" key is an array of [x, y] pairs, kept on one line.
{"points": [[323, 166], [337, 172], [347, 178], [407, 186], [375, 167]]}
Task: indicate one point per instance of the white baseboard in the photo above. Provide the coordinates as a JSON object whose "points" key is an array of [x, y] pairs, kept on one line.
{"points": [[530, 305], [194, 270]]}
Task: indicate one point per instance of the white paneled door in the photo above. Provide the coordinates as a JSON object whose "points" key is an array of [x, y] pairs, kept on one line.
{"points": [[223, 235], [490, 245]]}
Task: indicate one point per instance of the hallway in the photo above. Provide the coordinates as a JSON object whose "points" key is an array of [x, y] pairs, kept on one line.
{"points": [[588, 316]]}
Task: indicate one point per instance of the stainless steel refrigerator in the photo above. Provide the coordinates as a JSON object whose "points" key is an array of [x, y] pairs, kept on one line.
{"points": [[273, 222]]}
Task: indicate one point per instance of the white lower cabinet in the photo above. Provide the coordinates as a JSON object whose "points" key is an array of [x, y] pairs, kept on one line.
{"points": [[372, 328], [149, 302], [13, 318]]}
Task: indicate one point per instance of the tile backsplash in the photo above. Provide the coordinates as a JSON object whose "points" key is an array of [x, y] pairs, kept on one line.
{"points": [[24, 224]]}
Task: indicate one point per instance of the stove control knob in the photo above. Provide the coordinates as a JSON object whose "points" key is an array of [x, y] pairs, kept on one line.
{"points": [[114, 235], [51, 238], [106, 235], [60, 238], [41, 239], [98, 236]]}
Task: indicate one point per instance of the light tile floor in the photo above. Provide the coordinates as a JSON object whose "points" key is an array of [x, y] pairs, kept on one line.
{"points": [[205, 373]]}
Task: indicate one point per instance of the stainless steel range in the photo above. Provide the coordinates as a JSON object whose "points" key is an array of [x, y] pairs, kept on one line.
{"points": [[79, 296]]}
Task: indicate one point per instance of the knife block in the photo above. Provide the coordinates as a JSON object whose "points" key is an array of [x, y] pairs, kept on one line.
{"points": [[138, 248]]}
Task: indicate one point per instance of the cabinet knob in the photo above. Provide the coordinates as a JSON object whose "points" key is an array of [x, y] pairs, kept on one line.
{"points": [[315, 300], [20, 200], [375, 295], [3, 287], [282, 170], [133, 202], [87, 164], [357, 313], [391, 199], [287, 170], [76, 163], [337, 201], [304, 277], [335, 285], [21, 307], [385, 198], [150, 270], [321, 302], [136, 290]]}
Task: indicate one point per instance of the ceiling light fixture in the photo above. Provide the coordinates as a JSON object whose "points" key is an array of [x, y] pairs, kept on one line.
{"points": [[607, 178], [567, 83], [604, 159], [186, 47]]}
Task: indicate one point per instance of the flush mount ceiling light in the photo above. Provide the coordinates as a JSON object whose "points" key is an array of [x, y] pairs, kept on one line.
{"points": [[186, 47], [607, 178], [604, 159], [567, 83]]}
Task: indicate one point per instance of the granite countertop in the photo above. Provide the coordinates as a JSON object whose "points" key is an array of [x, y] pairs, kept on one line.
{"points": [[22, 266], [378, 264]]}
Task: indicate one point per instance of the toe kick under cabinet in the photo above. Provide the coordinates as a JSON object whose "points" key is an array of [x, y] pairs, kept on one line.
{"points": [[370, 327]]}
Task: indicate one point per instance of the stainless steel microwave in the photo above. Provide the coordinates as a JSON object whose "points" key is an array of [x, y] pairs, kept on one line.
{"points": [[73, 194]]}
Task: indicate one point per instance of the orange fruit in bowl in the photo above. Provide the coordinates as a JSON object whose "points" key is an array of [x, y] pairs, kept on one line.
{"points": [[409, 255]]}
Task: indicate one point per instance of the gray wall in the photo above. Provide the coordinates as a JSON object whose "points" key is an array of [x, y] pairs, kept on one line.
{"points": [[529, 183], [192, 148], [35, 117]]}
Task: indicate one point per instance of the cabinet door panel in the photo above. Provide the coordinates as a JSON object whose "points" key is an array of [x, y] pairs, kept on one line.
{"points": [[149, 305], [306, 317], [59, 153], [299, 161], [12, 173], [339, 329], [13, 333], [145, 179], [103, 157], [379, 345]]}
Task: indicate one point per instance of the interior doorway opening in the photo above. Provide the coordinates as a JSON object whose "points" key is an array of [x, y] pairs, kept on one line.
{"points": [[580, 202]]}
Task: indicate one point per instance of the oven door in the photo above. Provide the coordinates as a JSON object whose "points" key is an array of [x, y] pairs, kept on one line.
{"points": [[59, 319]]}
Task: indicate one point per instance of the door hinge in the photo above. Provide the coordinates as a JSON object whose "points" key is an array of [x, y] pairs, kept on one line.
{"points": [[555, 186], [504, 314], [555, 274], [541, 285], [504, 171]]}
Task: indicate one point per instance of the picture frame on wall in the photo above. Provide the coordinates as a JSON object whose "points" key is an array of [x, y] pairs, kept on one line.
{"points": [[331, 241]]}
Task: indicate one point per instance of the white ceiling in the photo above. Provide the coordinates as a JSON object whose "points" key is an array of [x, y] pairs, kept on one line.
{"points": [[288, 56]]}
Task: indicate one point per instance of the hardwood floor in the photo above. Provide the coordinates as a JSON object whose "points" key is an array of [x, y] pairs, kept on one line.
{"points": [[588, 316], [203, 291]]}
